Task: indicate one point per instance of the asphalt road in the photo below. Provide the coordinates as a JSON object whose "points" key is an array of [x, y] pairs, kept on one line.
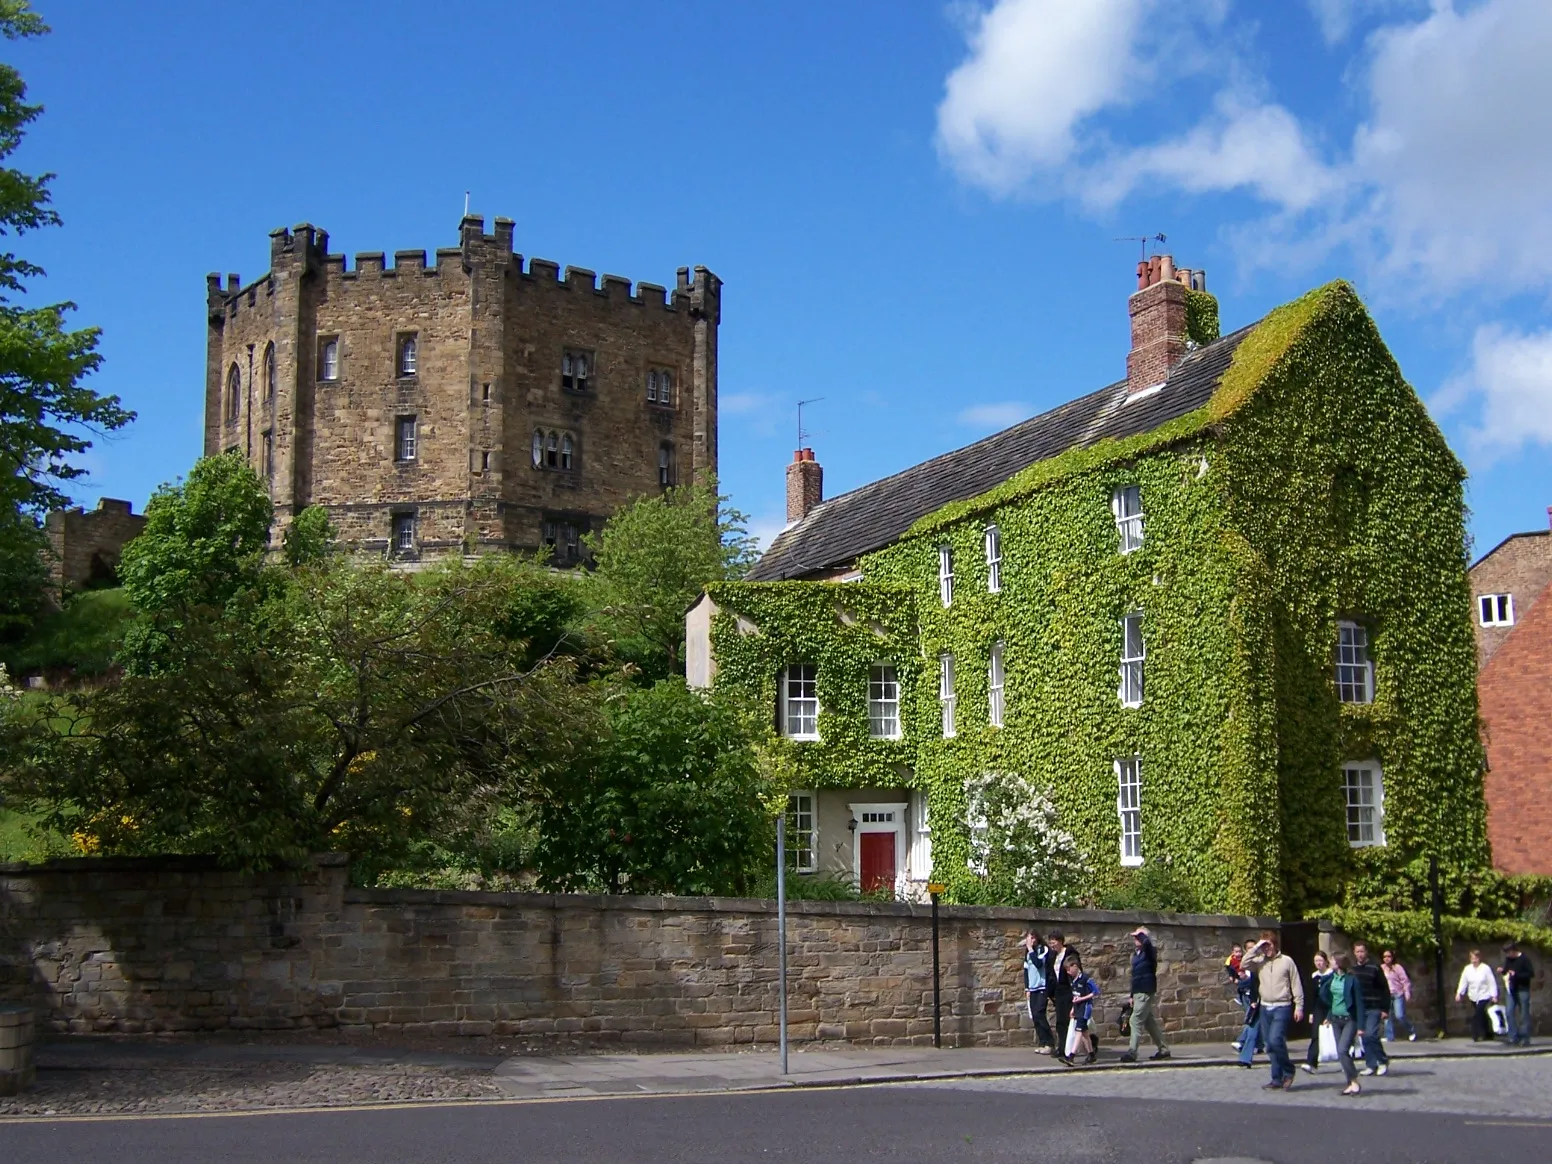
{"points": [[1002, 1120]]}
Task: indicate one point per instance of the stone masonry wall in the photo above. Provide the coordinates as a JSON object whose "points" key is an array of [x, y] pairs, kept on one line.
{"points": [[116, 945], [85, 546]]}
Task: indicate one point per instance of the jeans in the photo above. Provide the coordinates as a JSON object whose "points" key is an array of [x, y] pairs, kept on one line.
{"points": [[1398, 1018], [1143, 1016], [1346, 1030], [1037, 1004], [1274, 1032], [1518, 1002], [1373, 1050]]}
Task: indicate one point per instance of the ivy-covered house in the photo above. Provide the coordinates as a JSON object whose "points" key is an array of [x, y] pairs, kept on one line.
{"points": [[1212, 617]]}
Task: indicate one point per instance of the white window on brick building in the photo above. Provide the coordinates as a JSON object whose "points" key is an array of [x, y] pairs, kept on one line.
{"points": [[1363, 790], [233, 394], [1133, 653], [406, 437], [946, 699], [1126, 504], [575, 370], [883, 702], [797, 701], [328, 358], [1354, 670], [996, 681], [993, 560], [271, 377], [802, 832], [946, 575], [1129, 808], [409, 353], [403, 532], [1495, 609]]}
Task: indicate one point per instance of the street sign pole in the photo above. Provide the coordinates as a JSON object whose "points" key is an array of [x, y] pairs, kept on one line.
{"points": [[933, 889], [781, 928]]}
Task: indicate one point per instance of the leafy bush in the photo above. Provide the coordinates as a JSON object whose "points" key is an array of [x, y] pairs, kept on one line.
{"points": [[82, 637], [1018, 848], [1155, 886]]}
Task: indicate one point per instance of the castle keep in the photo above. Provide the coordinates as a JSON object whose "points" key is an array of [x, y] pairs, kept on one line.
{"points": [[473, 403]]}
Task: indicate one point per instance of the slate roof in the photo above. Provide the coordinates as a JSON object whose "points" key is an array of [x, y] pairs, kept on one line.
{"points": [[837, 531]]}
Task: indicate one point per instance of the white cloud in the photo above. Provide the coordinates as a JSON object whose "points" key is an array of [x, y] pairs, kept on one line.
{"points": [[740, 403], [765, 528], [1508, 386], [1336, 18], [994, 416]]}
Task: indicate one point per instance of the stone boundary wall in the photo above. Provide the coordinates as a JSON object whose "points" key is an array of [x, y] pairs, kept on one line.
{"points": [[177, 944]]}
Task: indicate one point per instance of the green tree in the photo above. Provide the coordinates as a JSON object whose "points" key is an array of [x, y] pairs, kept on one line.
{"points": [[45, 407], [653, 558], [311, 537], [670, 799]]}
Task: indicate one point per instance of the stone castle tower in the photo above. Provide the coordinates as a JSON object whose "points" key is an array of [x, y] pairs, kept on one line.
{"points": [[473, 403]]}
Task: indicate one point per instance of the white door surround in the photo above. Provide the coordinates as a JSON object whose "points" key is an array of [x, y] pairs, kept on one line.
{"points": [[878, 818]]}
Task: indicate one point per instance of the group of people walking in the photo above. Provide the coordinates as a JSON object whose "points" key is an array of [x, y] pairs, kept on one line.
{"points": [[1353, 1002]]}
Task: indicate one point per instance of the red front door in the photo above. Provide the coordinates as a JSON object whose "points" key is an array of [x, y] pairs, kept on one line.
{"points": [[878, 862]]}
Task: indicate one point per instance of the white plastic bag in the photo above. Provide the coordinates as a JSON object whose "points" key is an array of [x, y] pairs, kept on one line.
{"points": [[1327, 1043], [1073, 1035], [1499, 1019]]}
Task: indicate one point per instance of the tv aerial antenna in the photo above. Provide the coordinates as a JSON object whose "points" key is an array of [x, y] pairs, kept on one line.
{"points": [[803, 433], [1142, 241]]}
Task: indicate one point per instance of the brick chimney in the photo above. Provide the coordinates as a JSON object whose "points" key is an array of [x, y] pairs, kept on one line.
{"points": [[1158, 311], [805, 485]]}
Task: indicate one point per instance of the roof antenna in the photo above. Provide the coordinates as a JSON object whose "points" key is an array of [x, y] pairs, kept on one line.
{"points": [[466, 206], [1142, 240], [803, 433]]}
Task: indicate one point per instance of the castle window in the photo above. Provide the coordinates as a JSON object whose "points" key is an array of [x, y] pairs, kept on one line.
{"points": [[485, 461], [403, 532], [269, 456], [551, 452], [1126, 504], [660, 387], [538, 449], [547, 532], [328, 358], [573, 542], [270, 375], [409, 351], [484, 391], [1129, 808], [233, 394], [665, 465], [1354, 671], [1132, 656], [404, 439], [566, 451], [575, 370]]}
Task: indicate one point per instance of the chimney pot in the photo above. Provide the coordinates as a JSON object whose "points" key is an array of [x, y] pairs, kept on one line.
{"points": [[805, 485], [1158, 311]]}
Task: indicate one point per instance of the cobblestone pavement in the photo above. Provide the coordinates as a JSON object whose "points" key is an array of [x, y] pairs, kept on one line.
{"points": [[1504, 1088]]}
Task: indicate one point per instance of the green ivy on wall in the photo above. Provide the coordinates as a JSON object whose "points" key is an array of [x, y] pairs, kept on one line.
{"points": [[1311, 487]]}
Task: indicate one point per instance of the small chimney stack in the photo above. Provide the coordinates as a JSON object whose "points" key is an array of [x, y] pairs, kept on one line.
{"points": [[805, 485], [1158, 311]]}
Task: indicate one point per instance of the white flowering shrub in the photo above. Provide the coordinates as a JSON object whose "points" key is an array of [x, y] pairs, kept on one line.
{"points": [[1018, 848]]}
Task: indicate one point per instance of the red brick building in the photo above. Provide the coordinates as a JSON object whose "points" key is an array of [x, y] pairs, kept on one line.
{"points": [[1511, 593]]}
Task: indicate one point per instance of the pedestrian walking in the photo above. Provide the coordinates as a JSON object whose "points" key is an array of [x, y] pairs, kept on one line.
{"points": [[1400, 995], [1479, 988], [1281, 993], [1084, 991], [1059, 986], [1319, 1008], [1517, 972], [1376, 1006], [1248, 992], [1342, 999], [1145, 989], [1035, 969]]}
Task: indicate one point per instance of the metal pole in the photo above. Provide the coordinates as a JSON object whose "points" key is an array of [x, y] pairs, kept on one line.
{"points": [[937, 982], [1437, 902], [781, 928]]}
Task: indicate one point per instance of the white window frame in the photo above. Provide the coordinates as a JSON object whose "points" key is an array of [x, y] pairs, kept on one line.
{"points": [[993, 560], [538, 449], [1128, 774], [946, 698], [799, 709], [406, 438], [1126, 505], [1495, 609], [1130, 691], [996, 686], [403, 532], [665, 465], [946, 575], [869, 820], [329, 359], [801, 839], [1354, 675], [919, 861], [1354, 808], [883, 702], [568, 451], [408, 355]]}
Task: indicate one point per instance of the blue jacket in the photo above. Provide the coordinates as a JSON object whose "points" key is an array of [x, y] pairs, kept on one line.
{"points": [[1083, 984], [1350, 990], [1035, 968], [1145, 969]]}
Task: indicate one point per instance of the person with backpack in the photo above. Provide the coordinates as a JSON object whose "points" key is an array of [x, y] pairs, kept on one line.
{"points": [[1376, 1009], [1145, 988], [1517, 972], [1084, 991], [1035, 968], [1342, 1000]]}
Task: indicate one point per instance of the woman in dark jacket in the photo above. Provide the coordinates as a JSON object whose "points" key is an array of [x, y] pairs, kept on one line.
{"points": [[1342, 997], [1317, 1011]]}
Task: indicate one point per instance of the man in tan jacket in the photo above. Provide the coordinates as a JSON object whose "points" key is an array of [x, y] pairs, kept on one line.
{"points": [[1282, 1002]]}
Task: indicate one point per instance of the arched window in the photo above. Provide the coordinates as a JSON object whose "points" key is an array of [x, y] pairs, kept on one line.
{"points": [[565, 451], [328, 359], [409, 351], [551, 455], [269, 372], [233, 394], [538, 448]]}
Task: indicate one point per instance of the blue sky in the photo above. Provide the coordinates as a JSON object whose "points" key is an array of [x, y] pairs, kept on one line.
{"points": [[913, 205]]}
